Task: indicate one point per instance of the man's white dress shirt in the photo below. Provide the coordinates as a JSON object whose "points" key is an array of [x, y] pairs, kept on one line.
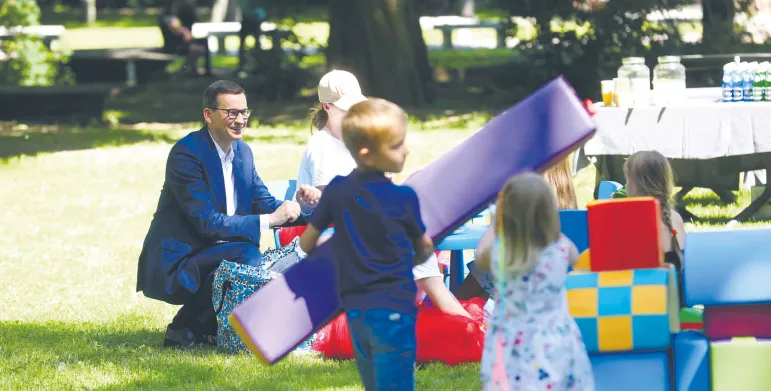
{"points": [[230, 189]]}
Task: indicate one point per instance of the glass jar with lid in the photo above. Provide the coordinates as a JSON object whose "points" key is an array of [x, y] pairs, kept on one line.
{"points": [[635, 80], [668, 80]]}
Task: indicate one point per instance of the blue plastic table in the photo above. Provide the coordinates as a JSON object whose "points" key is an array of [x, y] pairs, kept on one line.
{"points": [[464, 238]]}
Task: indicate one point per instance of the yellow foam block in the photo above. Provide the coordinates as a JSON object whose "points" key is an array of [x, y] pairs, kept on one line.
{"points": [[584, 261]]}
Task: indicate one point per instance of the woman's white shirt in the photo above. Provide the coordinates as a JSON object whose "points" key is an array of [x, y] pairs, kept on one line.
{"points": [[325, 158]]}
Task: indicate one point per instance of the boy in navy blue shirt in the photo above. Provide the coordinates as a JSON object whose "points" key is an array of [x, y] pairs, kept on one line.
{"points": [[379, 237]]}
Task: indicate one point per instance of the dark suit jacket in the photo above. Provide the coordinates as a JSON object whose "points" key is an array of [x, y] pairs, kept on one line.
{"points": [[191, 213]]}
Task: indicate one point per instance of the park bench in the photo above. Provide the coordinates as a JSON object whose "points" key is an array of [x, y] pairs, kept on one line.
{"points": [[708, 68], [222, 30], [47, 33], [77, 103], [447, 30], [448, 24], [129, 66]]}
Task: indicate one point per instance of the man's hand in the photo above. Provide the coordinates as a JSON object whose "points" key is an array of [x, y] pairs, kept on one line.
{"points": [[309, 194], [289, 211]]}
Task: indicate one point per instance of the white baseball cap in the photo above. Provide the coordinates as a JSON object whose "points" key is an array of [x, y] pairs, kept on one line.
{"points": [[341, 89]]}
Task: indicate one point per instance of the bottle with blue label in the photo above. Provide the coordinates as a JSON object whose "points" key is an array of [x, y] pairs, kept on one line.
{"points": [[747, 80], [727, 86], [737, 81]]}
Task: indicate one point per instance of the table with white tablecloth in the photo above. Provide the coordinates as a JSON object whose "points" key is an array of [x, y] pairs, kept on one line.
{"points": [[709, 143]]}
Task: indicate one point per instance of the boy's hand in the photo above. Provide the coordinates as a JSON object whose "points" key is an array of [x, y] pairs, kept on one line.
{"points": [[309, 194]]}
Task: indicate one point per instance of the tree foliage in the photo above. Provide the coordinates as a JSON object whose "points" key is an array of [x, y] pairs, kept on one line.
{"points": [[585, 40], [24, 59]]}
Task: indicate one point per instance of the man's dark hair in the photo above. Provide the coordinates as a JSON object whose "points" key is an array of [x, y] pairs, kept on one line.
{"points": [[217, 88]]}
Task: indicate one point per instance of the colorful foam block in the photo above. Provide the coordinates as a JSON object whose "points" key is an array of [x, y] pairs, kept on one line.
{"points": [[741, 364], [584, 261], [634, 371], [539, 131], [622, 310], [575, 226], [750, 320], [691, 358], [727, 267], [624, 234], [691, 319]]}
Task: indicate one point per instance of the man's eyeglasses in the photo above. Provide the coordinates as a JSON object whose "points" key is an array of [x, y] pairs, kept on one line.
{"points": [[233, 113]]}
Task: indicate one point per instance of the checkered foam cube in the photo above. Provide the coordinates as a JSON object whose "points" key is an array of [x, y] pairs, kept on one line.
{"points": [[624, 310]]}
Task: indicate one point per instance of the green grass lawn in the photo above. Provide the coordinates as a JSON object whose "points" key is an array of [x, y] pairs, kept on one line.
{"points": [[77, 204]]}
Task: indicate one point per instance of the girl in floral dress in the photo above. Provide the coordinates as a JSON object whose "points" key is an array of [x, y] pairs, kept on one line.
{"points": [[532, 343]]}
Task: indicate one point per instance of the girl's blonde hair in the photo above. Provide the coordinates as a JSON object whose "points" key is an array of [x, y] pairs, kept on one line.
{"points": [[652, 175], [527, 221], [318, 117], [560, 177]]}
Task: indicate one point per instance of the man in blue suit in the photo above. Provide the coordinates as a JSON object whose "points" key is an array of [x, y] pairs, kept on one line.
{"points": [[212, 207]]}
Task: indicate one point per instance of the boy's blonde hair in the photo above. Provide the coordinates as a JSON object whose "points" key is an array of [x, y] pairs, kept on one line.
{"points": [[527, 221], [368, 122], [652, 175], [560, 177]]}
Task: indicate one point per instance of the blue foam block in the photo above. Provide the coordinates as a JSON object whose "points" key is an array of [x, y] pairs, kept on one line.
{"points": [[691, 356], [607, 188], [727, 267], [646, 371], [575, 226]]}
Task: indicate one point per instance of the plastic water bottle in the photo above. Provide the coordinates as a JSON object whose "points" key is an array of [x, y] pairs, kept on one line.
{"points": [[727, 87], [759, 83], [766, 67], [747, 80], [737, 79]]}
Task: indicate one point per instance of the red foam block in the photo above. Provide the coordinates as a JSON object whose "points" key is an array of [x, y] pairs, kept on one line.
{"points": [[624, 234], [749, 320]]}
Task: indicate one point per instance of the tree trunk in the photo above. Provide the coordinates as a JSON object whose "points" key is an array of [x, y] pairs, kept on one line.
{"points": [[225, 11], [468, 9], [718, 23], [90, 14], [380, 41]]}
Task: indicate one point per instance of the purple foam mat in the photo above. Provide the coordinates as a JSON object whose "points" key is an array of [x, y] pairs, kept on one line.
{"points": [[531, 136]]}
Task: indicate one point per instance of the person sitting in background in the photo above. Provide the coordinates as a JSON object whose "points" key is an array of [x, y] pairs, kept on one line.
{"points": [[560, 177], [177, 39], [252, 16], [479, 283]]}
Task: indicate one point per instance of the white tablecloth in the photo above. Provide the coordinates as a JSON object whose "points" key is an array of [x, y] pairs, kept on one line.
{"points": [[697, 128]]}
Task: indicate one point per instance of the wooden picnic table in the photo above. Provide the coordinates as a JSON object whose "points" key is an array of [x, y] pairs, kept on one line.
{"points": [[223, 30], [78, 103], [702, 62], [447, 30], [47, 33], [129, 65]]}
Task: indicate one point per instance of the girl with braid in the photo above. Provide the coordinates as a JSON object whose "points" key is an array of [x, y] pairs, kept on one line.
{"points": [[648, 174]]}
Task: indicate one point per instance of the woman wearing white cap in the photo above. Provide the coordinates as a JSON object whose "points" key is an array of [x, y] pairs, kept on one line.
{"points": [[327, 157]]}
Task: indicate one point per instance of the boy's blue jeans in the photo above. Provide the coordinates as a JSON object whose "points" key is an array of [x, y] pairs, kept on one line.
{"points": [[384, 347]]}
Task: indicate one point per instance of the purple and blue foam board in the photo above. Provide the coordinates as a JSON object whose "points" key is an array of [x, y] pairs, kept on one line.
{"points": [[537, 132]]}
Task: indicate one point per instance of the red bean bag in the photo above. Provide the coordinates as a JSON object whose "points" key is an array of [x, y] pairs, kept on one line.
{"points": [[451, 339], [287, 234]]}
